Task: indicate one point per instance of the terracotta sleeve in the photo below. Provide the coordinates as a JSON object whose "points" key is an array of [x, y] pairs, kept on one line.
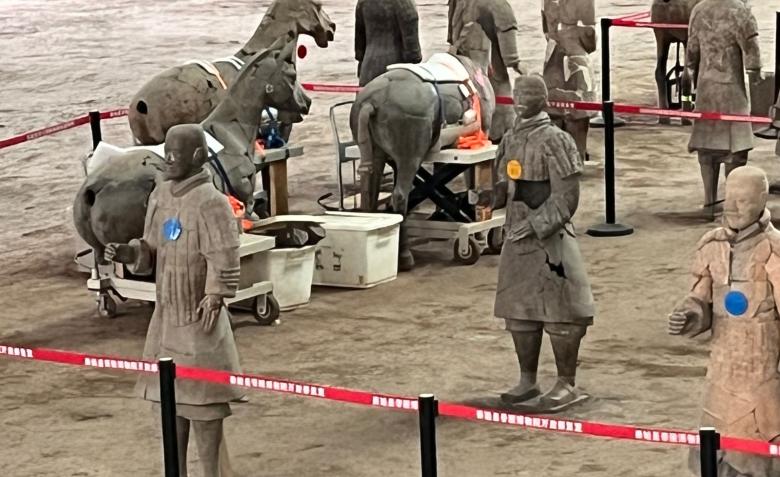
{"points": [[408, 25], [360, 33], [751, 51], [697, 305], [506, 30], [219, 242], [501, 186]]}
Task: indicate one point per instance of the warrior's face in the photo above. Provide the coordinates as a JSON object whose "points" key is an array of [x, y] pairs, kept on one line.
{"points": [[185, 151], [530, 96], [746, 195]]}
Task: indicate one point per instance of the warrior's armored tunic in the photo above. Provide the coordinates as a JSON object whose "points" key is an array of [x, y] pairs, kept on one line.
{"points": [[497, 20], [742, 398], [386, 33], [722, 43], [191, 239], [542, 276]]}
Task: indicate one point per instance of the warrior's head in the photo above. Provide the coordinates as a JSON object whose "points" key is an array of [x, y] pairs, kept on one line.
{"points": [[186, 151], [530, 96], [747, 189]]}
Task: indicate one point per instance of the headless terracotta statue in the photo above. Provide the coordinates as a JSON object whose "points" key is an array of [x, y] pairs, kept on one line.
{"points": [[567, 67], [722, 44], [542, 284], [735, 294], [385, 34], [191, 240]]}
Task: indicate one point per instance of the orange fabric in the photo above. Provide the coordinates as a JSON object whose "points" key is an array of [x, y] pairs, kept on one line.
{"points": [[239, 211], [479, 139]]}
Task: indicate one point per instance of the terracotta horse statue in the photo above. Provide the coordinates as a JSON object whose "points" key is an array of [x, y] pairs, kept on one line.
{"points": [[111, 204], [411, 110], [675, 12], [188, 93]]}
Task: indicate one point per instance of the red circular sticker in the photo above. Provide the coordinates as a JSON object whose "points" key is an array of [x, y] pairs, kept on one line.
{"points": [[302, 51]]}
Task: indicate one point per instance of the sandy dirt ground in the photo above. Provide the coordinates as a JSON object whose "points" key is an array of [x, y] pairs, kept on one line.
{"points": [[428, 331]]}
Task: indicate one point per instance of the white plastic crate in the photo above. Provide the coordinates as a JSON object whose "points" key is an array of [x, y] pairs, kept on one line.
{"points": [[291, 271], [359, 250]]}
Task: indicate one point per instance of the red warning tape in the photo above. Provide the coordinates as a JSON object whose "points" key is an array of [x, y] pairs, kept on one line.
{"points": [[48, 131], [635, 16], [393, 402], [641, 24]]}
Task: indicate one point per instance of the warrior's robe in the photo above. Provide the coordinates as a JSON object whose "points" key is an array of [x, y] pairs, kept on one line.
{"points": [[722, 44], [541, 277], [191, 239]]}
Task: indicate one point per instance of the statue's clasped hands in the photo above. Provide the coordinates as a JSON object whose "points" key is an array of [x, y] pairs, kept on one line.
{"points": [[208, 310], [677, 322], [120, 252]]}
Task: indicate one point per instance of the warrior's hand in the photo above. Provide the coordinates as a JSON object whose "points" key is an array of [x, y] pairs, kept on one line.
{"points": [[499, 195], [120, 252], [677, 322], [517, 67], [209, 309]]}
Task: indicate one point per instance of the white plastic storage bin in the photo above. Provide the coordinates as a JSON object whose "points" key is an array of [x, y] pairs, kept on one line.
{"points": [[359, 250], [291, 271]]}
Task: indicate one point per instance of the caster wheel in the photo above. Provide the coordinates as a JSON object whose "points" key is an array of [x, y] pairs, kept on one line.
{"points": [[469, 258], [106, 306], [266, 309], [495, 240]]}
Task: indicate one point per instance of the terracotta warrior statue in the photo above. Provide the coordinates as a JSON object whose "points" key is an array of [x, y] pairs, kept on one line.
{"points": [[542, 284], [734, 294], [497, 20], [722, 43], [567, 68], [385, 34], [191, 241]]}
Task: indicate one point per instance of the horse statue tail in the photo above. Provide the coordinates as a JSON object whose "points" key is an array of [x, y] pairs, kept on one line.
{"points": [[365, 143]]}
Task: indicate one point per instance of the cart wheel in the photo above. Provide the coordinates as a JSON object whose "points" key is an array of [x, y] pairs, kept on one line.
{"points": [[106, 306], [471, 257], [495, 240], [266, 309]]}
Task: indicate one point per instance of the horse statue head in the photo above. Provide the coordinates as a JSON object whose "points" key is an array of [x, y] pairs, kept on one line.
{"points": [[298, 17]]}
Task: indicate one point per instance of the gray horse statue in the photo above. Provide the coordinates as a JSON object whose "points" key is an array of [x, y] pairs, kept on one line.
{"points": [[111, 204], [412, 110], [188, 93], [674, 12]]}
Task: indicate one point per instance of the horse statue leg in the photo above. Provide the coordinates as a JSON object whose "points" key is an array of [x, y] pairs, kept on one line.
{"points": [[663, 42], [405, 171]]}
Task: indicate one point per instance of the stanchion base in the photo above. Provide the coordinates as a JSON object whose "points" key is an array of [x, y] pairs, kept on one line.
{"points": [[598, 122], [610, 230], [770, 133]]}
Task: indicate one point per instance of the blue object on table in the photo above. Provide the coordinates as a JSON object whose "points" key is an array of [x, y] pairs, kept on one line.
{"points": [[270, 132]]}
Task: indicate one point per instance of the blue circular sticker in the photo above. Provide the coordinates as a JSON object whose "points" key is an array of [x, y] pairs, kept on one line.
{"points": [[736, 303], [172, 229]]}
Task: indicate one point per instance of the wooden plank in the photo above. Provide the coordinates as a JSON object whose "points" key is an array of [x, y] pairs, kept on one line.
{"points": [[279, 194]]}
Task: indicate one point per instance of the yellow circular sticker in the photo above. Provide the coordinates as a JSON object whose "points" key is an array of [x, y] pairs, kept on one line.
{"points": [[514, 170]]}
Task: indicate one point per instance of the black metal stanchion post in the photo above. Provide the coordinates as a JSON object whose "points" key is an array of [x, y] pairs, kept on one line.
{"points": [[427, 410], [606, 77], [167, 370], [709, 443], [610, 228], [94, 124]]}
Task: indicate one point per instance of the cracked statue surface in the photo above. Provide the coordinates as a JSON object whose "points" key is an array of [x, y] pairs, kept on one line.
{"points": [[497, 20], [542, 282], [734, 293], [190, 242], [722, 44]]}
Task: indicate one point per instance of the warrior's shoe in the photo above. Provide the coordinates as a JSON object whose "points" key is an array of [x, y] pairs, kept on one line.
{"points": [[562, 396], [521, 393]]}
